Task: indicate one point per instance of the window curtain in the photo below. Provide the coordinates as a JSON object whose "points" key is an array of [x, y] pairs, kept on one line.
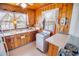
{"points": [[40, 22], [50, 17]]}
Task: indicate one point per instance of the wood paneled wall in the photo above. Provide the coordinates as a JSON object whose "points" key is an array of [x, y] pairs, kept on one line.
{"points": [[65, 9], [31, 16]]}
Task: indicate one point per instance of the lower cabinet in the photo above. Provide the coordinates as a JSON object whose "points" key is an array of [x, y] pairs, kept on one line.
{"points": [[18, 40], [52, 50], [10, 42], [32, 36], [28, 37], [23, 39]]}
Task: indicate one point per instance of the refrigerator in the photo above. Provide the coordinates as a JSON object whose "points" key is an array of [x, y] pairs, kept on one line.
{"points": [[2, 48]]}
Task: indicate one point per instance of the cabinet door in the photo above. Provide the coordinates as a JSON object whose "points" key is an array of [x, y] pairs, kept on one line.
{"points": [[53, 50], [22, 39], [12, 42], [27, 37], [8, 42], [18, 37], [33, 35]]}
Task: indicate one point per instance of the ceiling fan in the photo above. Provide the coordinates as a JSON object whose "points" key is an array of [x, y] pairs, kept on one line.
{"points": [[24, 5]]}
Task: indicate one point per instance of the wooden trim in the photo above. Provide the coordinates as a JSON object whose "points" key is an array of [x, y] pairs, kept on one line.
{"points": [[44, 6]]}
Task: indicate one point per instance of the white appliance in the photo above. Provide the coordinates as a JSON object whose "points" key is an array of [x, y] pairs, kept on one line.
{"points": [[2, 48], [41, 43]]}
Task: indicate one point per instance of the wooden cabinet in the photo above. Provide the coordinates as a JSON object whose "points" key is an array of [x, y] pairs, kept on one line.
{"points": [[33, 36], [28, 38], [12, 38], [18, 40], [52, 50], [10, 42], [23, 41]]}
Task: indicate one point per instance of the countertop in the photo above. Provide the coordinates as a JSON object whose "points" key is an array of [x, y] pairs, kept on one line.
{"points": [[58, 39], [18, 31]]}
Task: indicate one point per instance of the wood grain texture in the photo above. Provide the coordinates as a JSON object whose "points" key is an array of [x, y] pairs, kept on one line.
{"points": [[33, 6], [65, 9], [31, 16], [52, 50], [18, 40]]}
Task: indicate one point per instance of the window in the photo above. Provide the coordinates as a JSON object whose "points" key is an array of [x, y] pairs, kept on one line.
{"points": [[7, 20], [21, 20]]}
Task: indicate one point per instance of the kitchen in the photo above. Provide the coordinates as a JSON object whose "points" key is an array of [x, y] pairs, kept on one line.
{"points": [[30, 26]]}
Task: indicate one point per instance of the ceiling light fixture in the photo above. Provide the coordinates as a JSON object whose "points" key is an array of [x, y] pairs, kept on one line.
{"points": [[23, 5]]}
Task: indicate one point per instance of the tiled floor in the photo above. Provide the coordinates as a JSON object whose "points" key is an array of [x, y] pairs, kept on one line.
{"points": [[26, 50]]}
